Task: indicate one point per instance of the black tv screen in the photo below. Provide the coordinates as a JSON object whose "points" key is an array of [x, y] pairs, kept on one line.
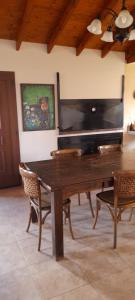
{"points": [[87, 114]]}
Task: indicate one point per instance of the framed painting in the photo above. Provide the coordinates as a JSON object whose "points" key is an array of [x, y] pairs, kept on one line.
{"points": [[38, 107]]}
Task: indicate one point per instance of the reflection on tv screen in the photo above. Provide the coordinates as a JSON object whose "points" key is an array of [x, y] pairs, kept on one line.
{"points": [[78, 115]]}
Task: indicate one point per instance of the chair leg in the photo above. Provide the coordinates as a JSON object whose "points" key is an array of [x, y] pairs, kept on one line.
{"points": [[90, 203], [40, 229], [65, 220], [65, 214], [131, 213], [97, 212], [30, 218], [103, 185], [115, 232], [45, 216], [79, 199], [121, 210], [69, 219]]}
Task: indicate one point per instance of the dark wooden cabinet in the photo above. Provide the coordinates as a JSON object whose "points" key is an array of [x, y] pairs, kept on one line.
{"points": [[89, 143], [9, 140]]}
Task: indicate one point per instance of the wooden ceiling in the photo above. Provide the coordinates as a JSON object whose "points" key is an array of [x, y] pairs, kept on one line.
{"points": [[61, 22]]}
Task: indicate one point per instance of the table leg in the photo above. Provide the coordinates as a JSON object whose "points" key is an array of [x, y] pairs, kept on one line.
{"points": [[57, 224]]}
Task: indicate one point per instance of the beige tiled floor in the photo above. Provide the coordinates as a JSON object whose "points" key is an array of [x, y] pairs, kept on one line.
{"points": [[91, 269]]}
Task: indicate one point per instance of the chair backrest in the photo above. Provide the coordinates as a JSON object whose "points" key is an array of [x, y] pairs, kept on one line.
{"points": [[74, 152], [31, 182], [105, 149], [124, 184]]}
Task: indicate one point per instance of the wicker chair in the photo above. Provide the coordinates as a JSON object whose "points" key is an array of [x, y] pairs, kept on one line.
{"points": [[118, 199], [72, 152], [40, 201], [106, 149]]}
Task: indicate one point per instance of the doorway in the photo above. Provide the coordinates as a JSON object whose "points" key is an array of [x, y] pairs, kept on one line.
{"points": [[9, 139]]}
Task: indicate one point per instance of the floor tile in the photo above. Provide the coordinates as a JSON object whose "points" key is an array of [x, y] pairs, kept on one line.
{"points": [[86, 292], [91, 269]]}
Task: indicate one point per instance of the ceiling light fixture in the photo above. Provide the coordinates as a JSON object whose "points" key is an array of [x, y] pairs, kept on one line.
{"points": [[122, 26]]}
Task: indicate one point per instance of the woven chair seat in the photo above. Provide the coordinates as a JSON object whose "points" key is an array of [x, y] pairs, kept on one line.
{"points": [[108, 197], [46, 201], [45, 205]]}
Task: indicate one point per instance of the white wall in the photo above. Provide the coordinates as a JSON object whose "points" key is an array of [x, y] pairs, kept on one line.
{"points": [[86, 76]]}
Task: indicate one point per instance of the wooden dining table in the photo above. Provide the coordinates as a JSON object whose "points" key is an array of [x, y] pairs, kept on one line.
{"points": [[66, 177]]}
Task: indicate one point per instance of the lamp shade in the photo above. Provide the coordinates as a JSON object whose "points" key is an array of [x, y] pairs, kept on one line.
{"points": [[107, 36], [95, 27], [132, 35], [124, 19]]}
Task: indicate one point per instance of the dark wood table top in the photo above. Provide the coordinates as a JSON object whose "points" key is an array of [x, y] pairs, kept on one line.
{"points": [[59, 174], [66, 177]]}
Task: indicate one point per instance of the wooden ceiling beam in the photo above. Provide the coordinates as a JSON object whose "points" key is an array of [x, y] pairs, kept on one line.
{"points": [[83, 43], [107, 48], [89, 36], [130, 53], [25, 18], [62, 21], [131, 59]]}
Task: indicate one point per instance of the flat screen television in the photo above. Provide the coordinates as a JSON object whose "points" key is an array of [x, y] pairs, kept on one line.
{"points": [[90, 114]]}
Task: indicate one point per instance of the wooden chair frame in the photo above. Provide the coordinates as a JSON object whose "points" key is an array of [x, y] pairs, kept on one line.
{"points": [[105, 149], [32, 189], [124, 197]]}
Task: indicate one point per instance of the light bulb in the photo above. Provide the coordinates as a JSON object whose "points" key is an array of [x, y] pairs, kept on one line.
{"points": [[108, 35], [123, 19], [132, 35], [95, 27]]}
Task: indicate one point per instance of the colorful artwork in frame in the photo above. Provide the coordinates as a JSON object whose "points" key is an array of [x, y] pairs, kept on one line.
{"points": [[38, 107]]}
